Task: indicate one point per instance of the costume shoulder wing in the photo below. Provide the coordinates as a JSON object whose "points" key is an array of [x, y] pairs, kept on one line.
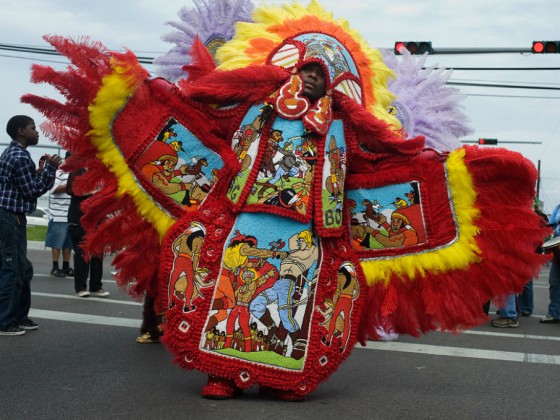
{"points": [[438, 235], [95, 86], [139, 140]]}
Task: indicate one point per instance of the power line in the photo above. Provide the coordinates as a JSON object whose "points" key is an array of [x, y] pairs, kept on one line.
{"points": [[52, 51], [37, 50], [504, 86], [34, 59], [498, 68], [149, 60], [454, 79], [512, 96]]}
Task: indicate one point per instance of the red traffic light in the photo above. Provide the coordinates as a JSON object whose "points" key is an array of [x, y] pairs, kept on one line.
{"points": [[538, 47], [487, 141], [546, 47], [399, 46], [414, 47]]}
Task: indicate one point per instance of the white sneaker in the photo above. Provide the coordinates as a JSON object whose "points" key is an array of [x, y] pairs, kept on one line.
{"points": [[100, 293], [12, 330], [386, 335], [82, 293]]}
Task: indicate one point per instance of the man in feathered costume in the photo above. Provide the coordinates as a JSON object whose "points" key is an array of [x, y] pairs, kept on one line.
{"points": [[312, 84]]}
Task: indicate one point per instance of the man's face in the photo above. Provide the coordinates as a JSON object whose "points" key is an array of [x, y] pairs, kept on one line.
{"points": [[313, 81], [396, 224], [169, 166], [301, 244], [30, 134]]}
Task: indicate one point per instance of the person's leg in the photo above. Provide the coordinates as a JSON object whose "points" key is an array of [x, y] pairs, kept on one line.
{"points": [[95, 274], [283, 288], [66, 269], [81, 268], [10, 286], [55, 257], [509, 309], [554, 291], [150, 330], [526, 299], [508, 313], [67, 252], [25, 273], [54, 240]]}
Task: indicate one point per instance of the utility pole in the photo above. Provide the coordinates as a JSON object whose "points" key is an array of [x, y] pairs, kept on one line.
{"points": [[538, 181]]}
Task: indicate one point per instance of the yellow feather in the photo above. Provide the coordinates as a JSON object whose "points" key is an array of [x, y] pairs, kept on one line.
{"points": [[112, 96]]}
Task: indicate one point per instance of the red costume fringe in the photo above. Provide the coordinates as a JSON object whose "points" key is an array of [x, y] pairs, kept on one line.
{"points": [[112, 223], [253, 84], [509, 233]]}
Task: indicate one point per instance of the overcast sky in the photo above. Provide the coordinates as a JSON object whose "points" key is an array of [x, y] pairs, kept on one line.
{"points": [[511, 115]]}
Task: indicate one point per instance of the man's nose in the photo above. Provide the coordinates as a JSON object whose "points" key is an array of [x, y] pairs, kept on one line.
{"points": [[314, 73]]}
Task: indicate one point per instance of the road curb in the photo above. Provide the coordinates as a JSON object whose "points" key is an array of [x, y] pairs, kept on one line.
{"points": [[36, 245]]}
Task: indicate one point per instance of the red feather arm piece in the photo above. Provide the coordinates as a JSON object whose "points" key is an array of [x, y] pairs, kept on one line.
{"points": [[372, 133], [111, 220], [508, 231], [252, 84], [203, 62]]}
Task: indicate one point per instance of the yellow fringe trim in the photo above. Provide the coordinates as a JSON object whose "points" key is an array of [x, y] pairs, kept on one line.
{"points": [[255, 40], [111, 98], [459, 255]]}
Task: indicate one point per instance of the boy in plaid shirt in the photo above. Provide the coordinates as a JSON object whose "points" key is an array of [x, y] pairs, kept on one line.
{"points": [[20, 186]]}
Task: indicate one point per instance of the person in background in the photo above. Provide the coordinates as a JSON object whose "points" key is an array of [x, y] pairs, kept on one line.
{"points": [[58, 238], [151, 329], [507, 313], [82, 268], [514, 305], [21, 183], [553, 315], [525, 299]]}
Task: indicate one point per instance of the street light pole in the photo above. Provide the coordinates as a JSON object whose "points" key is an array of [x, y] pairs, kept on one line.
{"points": [[504, 141], [480, 50]]}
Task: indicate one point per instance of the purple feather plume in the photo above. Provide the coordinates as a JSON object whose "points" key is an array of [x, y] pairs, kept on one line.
{"points": [[425, 105], [211, 20]]}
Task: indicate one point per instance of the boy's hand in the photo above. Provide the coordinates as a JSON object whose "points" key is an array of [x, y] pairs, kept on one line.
{"points": [[52, 160]]}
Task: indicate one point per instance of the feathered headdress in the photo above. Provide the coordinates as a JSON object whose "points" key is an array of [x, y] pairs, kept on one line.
{"points": [[280, 40], [212, 21], [425, 105]]}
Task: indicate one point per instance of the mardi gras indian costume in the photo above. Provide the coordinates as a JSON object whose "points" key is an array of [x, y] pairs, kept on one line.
{"points": [[276, 231]]}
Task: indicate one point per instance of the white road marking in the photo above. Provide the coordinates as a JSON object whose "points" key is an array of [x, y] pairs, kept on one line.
{"points": [[107, 299], [371, 345], [71, 278], [506, 356], [85, 318], [510, 335]]}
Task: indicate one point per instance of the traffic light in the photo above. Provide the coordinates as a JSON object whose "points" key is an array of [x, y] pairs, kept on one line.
{"points": [[414, 47], [546, 47], [487, 142]]}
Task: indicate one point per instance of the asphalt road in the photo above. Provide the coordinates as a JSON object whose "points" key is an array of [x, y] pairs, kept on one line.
{"points": [[83, 363]]}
